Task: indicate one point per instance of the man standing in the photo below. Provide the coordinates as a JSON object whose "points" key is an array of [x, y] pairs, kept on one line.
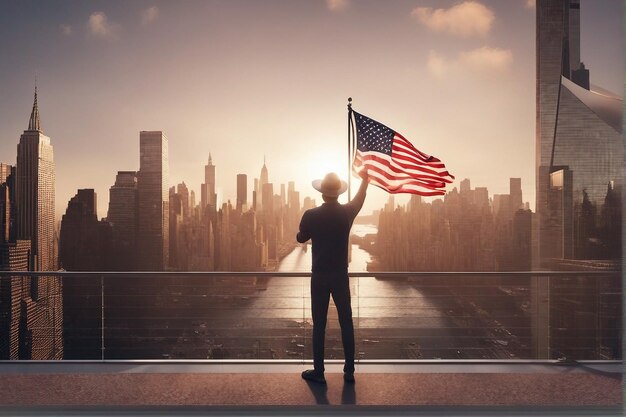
{"points": [[328, 227]]}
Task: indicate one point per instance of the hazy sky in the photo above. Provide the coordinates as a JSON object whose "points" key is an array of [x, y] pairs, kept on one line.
{"points": [[243, 79]]}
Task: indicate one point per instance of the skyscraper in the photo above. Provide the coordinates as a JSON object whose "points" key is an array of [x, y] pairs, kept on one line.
{"points": [[79, 224], [242, 191], [122, 214], [15, 321], [207, 190], [84, 245], [7, 205], [267, 196], [14, 256], [579, 172], [192, 202], [177, 210], [579, 148], [184, 196], [263, 179], [34, 202], [153, 199], [35, 192], [515, 187]]}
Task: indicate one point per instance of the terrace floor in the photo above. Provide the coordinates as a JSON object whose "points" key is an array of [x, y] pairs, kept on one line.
{"points": [[196, 388]]}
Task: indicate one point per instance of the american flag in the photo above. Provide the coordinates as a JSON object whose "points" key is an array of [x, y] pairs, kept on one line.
{"points": [[393, 163]]}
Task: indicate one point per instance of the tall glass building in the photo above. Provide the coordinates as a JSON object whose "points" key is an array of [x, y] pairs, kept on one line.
{"points": [[579, 181], [153, 202], [122, 215], [579, 148]]}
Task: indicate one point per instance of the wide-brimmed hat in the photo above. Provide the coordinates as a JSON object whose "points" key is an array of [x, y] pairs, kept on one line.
{"points": [[331, 185]]}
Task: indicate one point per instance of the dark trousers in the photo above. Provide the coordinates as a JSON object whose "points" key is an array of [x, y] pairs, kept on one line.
{"points": [[322, 286]]}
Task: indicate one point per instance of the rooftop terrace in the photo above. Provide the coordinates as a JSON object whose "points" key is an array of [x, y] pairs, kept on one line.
{"points": [[471, 344], [198, 388]]}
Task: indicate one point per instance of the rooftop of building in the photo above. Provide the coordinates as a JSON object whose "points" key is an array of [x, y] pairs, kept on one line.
{"points": [[606, 105], [201, 387]]}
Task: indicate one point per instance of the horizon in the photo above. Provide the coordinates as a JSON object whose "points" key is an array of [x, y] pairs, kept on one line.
{"points": [[107, 71]]}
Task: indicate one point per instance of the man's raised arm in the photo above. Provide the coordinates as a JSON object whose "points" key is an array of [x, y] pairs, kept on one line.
{"points": [[359, 198]]}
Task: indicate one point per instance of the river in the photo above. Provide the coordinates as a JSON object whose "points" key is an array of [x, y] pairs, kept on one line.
{"points": [[392, 319]]}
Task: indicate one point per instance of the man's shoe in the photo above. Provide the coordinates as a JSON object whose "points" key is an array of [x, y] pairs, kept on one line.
{"points": [[348, 376], [312, 375]]}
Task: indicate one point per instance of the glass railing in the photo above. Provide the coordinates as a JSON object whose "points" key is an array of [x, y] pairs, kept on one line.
{"points": [[398, 316]]}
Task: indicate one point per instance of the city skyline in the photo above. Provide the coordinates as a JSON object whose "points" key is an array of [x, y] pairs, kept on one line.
{"points": [[233, 98], [514, 307]]}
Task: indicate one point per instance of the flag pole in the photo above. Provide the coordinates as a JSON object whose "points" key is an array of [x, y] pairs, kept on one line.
{"points": [[349, 150]]}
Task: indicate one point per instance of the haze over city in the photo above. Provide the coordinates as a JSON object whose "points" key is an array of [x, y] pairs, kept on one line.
{"points": [[162, 245], [246, 79]]}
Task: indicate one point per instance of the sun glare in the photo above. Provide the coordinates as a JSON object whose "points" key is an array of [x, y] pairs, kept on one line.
{"points": [[321, 162]]}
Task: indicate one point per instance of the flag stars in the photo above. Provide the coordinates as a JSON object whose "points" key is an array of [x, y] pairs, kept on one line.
{"points": [[372, 135]]}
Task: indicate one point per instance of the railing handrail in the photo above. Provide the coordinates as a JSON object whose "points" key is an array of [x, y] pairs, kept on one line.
{"points": [[381, 274]]}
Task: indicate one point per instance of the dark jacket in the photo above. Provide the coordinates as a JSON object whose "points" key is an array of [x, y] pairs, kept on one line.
{"points": [[328, 227]]}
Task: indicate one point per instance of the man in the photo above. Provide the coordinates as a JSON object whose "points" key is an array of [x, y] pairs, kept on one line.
{"points": [[328, 227]]}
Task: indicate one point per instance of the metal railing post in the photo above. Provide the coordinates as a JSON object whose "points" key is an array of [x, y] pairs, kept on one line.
{"points": [[540, 319], [102, 318]]}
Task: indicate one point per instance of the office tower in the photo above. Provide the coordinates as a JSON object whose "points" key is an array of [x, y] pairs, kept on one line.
{"points": [[5, 171], [293, 204], [291, 189], [84, 245], [267, 197], [35, 192], [122, 215], [34, 203], [414, 203], [283, 196], [14, 256], [308, 203], [5, 212], [242, 191], [15, 296], [578, 136], [85, 242], [207, 189], [579, 170], [7, 203], [79, 234], [153, 201], [481, 197], [515, 191], [192, 202], [465, 185], [184, 196], [263, 179], [177, 208]]}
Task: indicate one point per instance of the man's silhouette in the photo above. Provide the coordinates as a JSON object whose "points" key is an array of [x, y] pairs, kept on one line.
{"points": [[328, 227]]}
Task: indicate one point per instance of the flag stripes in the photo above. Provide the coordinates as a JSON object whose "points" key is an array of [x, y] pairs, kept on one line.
{"points": [[394, 164]]}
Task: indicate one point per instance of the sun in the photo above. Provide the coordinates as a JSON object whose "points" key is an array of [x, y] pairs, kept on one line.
{"points": [[321, 163]]}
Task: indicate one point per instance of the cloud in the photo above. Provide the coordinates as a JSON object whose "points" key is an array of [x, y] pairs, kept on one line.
{"points": [[99, 26], [66, 30], [480, 60], [437, 65], [486, 58], [469, 18], [149, 15], [337, 5], [531, 3]]}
